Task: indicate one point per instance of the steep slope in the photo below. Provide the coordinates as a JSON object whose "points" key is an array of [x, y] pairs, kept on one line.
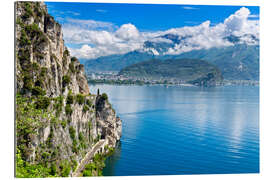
{"points": [[57, 119], [192, 71]]}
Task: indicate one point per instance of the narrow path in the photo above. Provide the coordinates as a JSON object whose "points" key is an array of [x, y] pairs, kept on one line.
{"points": [[87, 158]]}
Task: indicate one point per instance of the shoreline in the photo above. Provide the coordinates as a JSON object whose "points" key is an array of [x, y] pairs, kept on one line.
{"points": [[224, 83]]}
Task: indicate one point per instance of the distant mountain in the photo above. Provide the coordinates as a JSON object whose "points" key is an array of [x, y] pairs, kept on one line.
{"points": [[192, 71], [237, 62], [117, 62]]}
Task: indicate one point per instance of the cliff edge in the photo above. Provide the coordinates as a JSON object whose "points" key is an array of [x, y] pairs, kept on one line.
{"points": [[58, 120]]}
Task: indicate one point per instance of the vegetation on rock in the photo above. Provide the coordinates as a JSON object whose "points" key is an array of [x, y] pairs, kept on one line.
{"points": [[53, 128]]}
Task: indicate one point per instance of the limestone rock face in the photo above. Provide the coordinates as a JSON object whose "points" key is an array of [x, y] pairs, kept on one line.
{"points": [[45, 68]]}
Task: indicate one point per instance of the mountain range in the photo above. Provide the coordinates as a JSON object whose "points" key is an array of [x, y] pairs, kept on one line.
{"points": [[192, 71], [238, 61]]}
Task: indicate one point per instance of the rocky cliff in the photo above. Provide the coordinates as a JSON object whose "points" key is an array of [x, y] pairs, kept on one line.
{"points": [[58, 120]]}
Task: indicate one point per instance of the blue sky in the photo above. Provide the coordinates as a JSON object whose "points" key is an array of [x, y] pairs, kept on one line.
{"points": [[146, 17], [92, 30]]}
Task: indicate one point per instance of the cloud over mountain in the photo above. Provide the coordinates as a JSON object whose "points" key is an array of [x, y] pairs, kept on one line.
{"points": [[97, 38]]}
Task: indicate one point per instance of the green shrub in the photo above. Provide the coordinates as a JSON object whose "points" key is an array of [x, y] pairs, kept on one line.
{"points": [[19, 22], [58, 105], [32, 31], [28, 10], [35, 66], [85, 108], [68, 109], [43, 72], [66, 53], [81, 136], [40, 39], [38, 11], [89, 168], [74, 164], [38, 55], [69, 99], [49, 141], [80, 99], [55, 121], [75, 148], [65, 80], [88, 102], [24, 40], [38, 83], [72, 132], [38, 91], [53, 169], [104, 96], [26, 170], [27, 82], [87, 173], [73, 59], [89, 125], [43, 102], [72, 67], [28, 117], [64, 124], [65, 168], [24, 56]]}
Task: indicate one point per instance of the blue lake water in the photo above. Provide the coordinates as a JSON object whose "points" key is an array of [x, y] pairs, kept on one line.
{"points": [[184, 130]]}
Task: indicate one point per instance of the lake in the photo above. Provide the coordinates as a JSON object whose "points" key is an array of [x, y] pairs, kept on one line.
{"points": [[184, 130]]}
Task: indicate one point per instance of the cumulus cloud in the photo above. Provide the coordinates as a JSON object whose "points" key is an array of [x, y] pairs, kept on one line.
{"points": [[98, 38], [127, 32], [205, 36], [96, 43]]}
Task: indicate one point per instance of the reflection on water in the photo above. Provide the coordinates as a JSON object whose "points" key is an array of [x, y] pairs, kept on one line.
{"points": [[185, 130]]}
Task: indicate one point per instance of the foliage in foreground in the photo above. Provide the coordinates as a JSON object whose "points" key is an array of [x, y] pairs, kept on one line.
{"points": [[95, 168], [27, 170]]}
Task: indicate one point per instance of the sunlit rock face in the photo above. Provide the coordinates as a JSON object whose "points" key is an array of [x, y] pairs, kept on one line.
{"points": [[44, 67]]}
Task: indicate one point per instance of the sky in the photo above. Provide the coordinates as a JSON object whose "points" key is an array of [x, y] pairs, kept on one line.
{"points": [[92, 30]]}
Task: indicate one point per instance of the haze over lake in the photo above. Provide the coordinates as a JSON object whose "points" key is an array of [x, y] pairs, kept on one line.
{"points": [[184, 130]]}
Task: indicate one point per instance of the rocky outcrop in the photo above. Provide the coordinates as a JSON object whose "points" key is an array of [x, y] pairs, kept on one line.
{"points": [[48, 77]]}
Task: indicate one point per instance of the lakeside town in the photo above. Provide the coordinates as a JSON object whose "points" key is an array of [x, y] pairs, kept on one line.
{"points": [[112, 77]]}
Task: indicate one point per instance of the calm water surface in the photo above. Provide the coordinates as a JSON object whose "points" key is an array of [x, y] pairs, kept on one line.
{"points": [[184, 130]]}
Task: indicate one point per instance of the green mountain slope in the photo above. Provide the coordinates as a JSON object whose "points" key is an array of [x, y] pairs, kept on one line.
{"points": [[239, 62], [192, 71]]}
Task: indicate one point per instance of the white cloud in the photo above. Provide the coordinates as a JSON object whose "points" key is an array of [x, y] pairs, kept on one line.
{"points": [[101, 10], [127, 32], [189, 8], [254, 16], [73, 13], [161, 40], [237, 21], [89, 24], [99, 38], [205, 36]]}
